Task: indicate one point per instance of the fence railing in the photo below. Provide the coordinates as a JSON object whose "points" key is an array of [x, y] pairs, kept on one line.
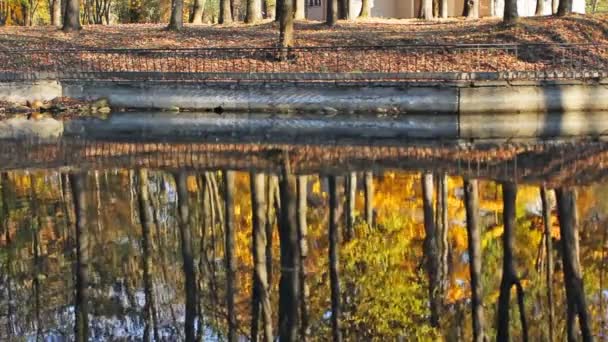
{"points": [[354, 63]]}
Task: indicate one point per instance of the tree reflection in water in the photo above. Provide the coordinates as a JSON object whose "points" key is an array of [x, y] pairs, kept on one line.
{"points": [[235, 254]]}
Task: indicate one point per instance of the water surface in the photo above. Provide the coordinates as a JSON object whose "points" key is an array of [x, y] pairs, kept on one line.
{"points": [[162, 234]]}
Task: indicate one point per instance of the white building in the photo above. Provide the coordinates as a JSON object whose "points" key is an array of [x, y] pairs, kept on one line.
{"points": [[402, 9]]}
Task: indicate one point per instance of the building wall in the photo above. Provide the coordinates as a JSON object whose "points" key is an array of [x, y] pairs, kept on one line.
{"points": [[406, 9], [411, 8], [316, 12], [526, 8], [384, 8]]}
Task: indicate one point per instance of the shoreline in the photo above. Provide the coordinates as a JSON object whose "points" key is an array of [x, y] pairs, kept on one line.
{"points": [[402, 98]]}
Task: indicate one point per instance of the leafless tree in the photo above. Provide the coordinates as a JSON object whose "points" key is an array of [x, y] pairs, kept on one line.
{"points": [[261, 288], [286, 24], [177, 15], [82, 258], [225, 12], [431, 255], [187, 255], [334, 263], [71, 17], [471, 199], [288, 235], [509, 274], [549, 262], [573, 278]]}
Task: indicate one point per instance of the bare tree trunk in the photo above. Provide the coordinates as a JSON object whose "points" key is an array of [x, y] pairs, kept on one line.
{"points": [[564, 8], [334, 263], [351, 194], [273, 214], [236, 10], [443, 9], [71, 18], [443, 246], [36, 224], [369, 199], [271, 9], [212, 209], [278, 10], [332, 12], [81, 329], [300, 10], [286, 24], [27, 19], [261, 295], [540, 7], [67, 206], [146, 219], [288, 234], [602, 268], [177, 15], [302, 237], [4, 216], [10, 321], [510, 13], [471, 9], [204, 266], [187, 256], [573, 279], [225, 12], [509, 274], [426, 10], [549, 263], [198, 9], [55, 13], [343, 9], [431, 256], [230, 257], [254, 11], [471, 199], [365, 9]]}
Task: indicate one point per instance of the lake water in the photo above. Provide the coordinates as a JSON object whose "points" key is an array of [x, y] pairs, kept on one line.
{"points": [[156, 239]]}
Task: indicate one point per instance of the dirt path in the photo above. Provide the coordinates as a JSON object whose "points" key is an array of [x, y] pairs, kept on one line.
{"points": [[574, 29]]}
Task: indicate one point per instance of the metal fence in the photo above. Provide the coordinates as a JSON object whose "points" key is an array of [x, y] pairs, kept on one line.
{"points": [[354, 63]]}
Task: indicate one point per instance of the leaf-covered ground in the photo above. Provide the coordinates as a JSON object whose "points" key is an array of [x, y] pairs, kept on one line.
{"points": [[50, 42], [574, 29]]}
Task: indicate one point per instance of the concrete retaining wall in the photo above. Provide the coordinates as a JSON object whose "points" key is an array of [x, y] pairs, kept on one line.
{"points": [[269, 98], [489, 97], [534, 98], [21, 92]]}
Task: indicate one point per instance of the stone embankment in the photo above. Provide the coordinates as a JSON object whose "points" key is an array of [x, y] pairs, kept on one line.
{"points": [[398, 98], [439, 111]]}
